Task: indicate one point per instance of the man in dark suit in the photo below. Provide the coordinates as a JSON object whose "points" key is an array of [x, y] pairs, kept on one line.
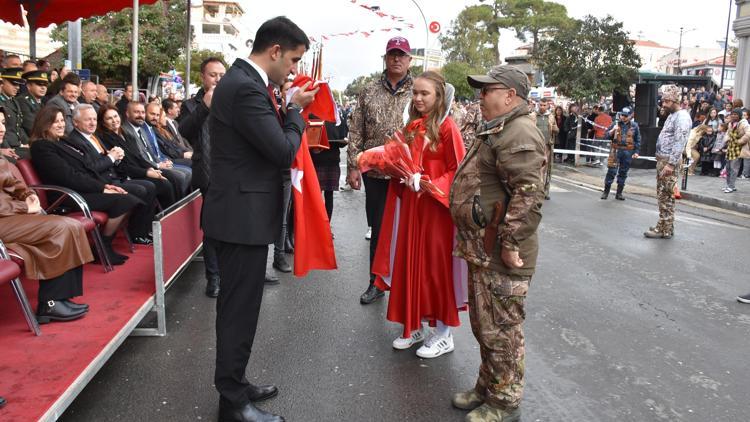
{"points": [[105, 163], [251, 142], [134, 132]]}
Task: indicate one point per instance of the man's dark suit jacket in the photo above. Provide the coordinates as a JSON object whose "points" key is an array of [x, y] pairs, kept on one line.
{"points": [[249, 148], [133, 165], [99, 162]]}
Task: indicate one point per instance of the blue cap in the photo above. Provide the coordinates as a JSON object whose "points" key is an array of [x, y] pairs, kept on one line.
{"points": [[627, 111]]}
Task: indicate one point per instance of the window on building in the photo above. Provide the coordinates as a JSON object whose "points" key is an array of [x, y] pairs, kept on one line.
{"points": [[729, 74], [210, 28], [229, 29], [210, 11]]}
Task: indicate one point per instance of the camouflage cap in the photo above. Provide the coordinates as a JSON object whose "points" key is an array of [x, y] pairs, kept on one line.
{"points": [[509, 76], [670, 93]]}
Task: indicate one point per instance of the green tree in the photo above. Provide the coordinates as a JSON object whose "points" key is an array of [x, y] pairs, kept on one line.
{"points": [[107, 40], [533, 18], [588, 59], [353, 89], [196, 57], [455, 74], [473, 37]]}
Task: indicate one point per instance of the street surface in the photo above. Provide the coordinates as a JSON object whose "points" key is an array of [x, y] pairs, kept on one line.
{"points": [[619, 328]]}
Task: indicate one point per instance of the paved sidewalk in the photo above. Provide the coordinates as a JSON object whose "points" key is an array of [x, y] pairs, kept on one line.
{"points": [[702, 189]]}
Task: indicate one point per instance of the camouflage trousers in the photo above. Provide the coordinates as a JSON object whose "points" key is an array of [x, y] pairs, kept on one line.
{"points": [[548, 176], [665, 196], [496, 311]]}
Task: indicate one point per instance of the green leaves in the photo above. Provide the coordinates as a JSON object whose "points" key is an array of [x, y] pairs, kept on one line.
{"points": [[196, 57], [107, 40], [455, 74], [589, 58], [473, 37]]}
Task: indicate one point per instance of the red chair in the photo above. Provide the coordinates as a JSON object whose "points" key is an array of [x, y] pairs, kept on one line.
{"points": [[91, 220], [9, 272]]}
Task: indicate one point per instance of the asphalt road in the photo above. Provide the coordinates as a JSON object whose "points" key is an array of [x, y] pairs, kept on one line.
{"points": [[619, 328]]}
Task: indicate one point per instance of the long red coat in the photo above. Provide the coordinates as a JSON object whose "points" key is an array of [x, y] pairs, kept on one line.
{"points": [[414, 257]]}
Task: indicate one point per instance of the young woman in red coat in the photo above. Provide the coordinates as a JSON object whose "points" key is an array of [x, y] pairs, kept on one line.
{"points": [[414, 257]]}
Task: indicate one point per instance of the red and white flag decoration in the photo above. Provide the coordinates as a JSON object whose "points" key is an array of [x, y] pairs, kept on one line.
{"points": [[313, 242]]}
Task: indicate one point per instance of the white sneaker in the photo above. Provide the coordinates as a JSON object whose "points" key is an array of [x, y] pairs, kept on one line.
{"points": [[436, 346], [368, 235], [405, 343]]}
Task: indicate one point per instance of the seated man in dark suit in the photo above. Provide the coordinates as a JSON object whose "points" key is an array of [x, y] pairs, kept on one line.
{"points": [[166, 144], [133, 166], [105, 162], [134, 129]]}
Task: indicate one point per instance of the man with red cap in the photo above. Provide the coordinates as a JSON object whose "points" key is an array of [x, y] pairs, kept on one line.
{"points": [[379, 112]]}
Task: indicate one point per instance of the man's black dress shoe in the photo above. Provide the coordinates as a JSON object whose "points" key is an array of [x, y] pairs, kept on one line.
{"points": [[76, 306], [212, 286], [279, 262], [371, 295], [261, 392], [57, 311], [246, 413], [271, 279]]}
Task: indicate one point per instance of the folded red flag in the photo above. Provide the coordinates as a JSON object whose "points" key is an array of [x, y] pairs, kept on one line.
{"points": [[323, 105], [313, 242]]}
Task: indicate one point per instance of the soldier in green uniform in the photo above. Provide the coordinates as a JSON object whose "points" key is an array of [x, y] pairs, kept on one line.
{"points": [[495, 201], [14, 135], [37, 82]]}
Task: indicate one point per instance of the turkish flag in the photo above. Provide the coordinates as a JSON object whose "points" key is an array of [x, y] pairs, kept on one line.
{"points": [[323, 105], [313, 242]]}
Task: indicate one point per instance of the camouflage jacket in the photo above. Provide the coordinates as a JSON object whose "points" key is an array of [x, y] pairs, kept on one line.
{"points": [[506, 164], [14, 135], [470, 120], [378, 114]]}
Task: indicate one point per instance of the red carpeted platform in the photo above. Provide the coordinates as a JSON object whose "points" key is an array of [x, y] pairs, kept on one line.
{"points": [[38, 372]]}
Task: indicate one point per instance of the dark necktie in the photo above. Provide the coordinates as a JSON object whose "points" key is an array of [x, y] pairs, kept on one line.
{"points": [[273, 100], [144, 145]]}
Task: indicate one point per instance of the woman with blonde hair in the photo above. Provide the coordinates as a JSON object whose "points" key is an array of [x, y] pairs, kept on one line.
{"points": [[414, 254]]}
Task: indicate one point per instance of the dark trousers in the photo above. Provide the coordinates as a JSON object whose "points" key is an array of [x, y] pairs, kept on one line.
{"points": [[139, 224], [62, 287], [376, 192], [164, 191], [242, 269], [180, 180], [621, 166], [210, 258]]}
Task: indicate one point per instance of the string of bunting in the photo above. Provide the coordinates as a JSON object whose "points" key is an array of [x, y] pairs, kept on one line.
{"points": [[366, 34]]}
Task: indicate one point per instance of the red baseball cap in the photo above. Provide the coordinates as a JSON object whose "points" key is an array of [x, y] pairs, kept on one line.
{"points": [[398, 43]]}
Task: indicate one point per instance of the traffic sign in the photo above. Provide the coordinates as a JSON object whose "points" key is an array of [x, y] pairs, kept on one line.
{"points": [[434, 27]]}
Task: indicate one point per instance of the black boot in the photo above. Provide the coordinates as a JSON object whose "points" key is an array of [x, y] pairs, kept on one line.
{"points": [[114, 257], [605, 195], [618, 195], [57, 310], [280, 263]]}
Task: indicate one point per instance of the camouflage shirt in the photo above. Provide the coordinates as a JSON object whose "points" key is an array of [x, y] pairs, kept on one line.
{"points": [[379, 112], [468, 123], [505, 165]]}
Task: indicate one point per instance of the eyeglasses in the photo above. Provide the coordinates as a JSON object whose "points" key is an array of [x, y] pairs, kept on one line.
{"points": [[487, 89]]}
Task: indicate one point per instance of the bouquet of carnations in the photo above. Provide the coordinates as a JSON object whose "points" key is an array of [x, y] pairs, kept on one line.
{"points": [[394, 159]]}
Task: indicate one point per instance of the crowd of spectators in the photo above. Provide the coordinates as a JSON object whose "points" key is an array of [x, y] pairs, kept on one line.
{"points": [[126, 159]]}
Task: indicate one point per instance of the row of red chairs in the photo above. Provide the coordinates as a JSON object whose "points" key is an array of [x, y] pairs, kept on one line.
{"points": [[11, 263]]}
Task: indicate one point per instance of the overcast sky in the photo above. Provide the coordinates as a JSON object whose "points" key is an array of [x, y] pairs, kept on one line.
{"points": [[345, 58]]}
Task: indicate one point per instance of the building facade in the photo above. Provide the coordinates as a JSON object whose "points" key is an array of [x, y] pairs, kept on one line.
{"points": [[742, 32], [219, 25], [712, 68]]}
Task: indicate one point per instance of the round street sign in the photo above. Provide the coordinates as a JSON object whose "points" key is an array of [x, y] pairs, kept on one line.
{"points": [[434, 27]]}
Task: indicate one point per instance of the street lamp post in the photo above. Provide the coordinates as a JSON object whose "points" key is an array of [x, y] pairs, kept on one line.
{"points": [[726, 46], [426, 36]]}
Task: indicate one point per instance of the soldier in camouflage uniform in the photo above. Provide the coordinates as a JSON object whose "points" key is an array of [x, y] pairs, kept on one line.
{"points": [[469, 122], [669, 149], [14, 135], [379, 113], [545, 122], [495, 202]]}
